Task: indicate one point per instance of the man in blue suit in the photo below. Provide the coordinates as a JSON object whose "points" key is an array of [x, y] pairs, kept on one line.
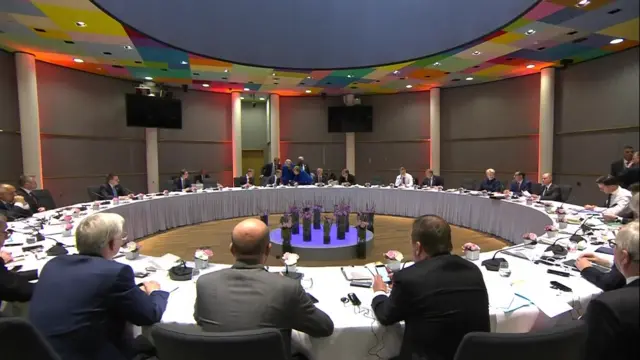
{"points": [[83, 303], [519, 184]]}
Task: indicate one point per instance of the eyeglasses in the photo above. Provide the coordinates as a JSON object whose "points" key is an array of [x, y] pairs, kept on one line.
{"points": [[124, 237], [612, 244]]}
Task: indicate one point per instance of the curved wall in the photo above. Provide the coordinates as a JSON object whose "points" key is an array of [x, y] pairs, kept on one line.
{"points": [[487, 125]]}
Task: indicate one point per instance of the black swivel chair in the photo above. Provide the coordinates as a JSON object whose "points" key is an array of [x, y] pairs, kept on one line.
{"points": [[22, 341], [469, 184], [536, 188], [94, 193], [209, 183], [237, 181], [179, 342], [565, 192], [559, 343], [45, 199]]}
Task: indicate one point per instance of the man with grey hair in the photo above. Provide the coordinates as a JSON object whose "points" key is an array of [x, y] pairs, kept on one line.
{"points": [[27, 184], [247, 296], [490, 183], [83, 302], [613, 318]]}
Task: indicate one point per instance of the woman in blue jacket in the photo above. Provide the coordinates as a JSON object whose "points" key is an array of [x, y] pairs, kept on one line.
{"points": [[287, 172], [301, 177]]}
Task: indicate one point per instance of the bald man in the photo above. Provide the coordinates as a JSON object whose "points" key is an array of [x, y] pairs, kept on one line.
{"points": [[12, 206], [549, 191], [247, 296]]}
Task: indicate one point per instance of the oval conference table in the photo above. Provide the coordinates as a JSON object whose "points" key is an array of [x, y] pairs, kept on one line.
{"points": [[519, 303]]}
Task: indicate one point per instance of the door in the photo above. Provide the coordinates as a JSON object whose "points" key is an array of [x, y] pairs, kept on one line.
{"points": [[252, 159]]}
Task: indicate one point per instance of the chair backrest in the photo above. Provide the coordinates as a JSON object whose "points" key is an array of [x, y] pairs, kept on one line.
{"points": [[469, 184], [45, 199], [536, 188], [94, 193], [179, 341], [376, 180], [565, 192], [22, 341], [209, 183], [559, 343], [236, 181]]}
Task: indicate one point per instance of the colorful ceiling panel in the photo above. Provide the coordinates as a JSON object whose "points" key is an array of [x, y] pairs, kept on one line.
{"points": [[76, 34]]}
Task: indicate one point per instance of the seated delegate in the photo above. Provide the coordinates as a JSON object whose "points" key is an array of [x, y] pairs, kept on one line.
{"points": [[287, 172], [112, 188], [247, 179], [519, 184], [431, 179], [613, 318], [275, 180], [441, 298], [490, 183], [247, 296], [549, 191], [346, 177], [617, 197], [605, 281], [13, 286], [11, 206], [26, 185], [83, 302], [404, 179], [301, 177], [182, 182]]}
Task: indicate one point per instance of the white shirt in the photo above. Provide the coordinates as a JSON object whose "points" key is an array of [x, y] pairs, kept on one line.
{"points": [[26, 190], [408, 180], [619, 201], [632, 279], [627, 164]]}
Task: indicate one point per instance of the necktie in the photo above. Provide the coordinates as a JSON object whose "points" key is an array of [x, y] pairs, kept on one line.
{"points": [[403, 180], [273, 169], [115, 193], [545, 190], [181, 183], [519, 186], [608, 203]]}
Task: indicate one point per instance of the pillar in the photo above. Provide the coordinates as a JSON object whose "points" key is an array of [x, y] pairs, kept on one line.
{"points": [[153, 176], [545, 138], [350, 142], [236, 133], [274, 125], [29, 115], [434, 124]]}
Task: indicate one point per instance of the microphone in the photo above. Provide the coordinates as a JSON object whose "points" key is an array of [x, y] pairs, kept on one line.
{"points": [[493, 264], [577, 238], [99, 196], [558, 250]]}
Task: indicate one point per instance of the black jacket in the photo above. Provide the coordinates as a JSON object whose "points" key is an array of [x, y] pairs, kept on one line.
{"points": [[436, 181], [351, 179], [613, 324], [13, 286], [106, 193], [440, 300], [178, 186], [12, 212], [605, 281], [552, 194], [30, 198]]}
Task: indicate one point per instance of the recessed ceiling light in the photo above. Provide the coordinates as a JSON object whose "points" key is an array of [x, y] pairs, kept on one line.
{"points": [[409, 86], [81, 24], [583, 3], [469, 79], [241, 97], [476, 52], [128, 47], [148, 78], [396, 72], [262, 99], [183, 62], [308, 91], [78, 60], [436, 64], [205, 85], [273, 74], [616, 41], [309, 77], [530, 32], [247, 89], [349, 76], [226, 70], [530, 66]]}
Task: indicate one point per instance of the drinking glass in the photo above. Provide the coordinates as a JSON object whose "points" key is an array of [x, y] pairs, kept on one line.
{"points": [[504, 270]]}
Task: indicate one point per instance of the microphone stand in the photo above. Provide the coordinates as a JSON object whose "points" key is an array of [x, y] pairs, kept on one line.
{"points": [[493, 264], [577, 238]]}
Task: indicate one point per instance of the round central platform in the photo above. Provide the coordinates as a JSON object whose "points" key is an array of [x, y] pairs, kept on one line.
{"points": [[316, 249]]}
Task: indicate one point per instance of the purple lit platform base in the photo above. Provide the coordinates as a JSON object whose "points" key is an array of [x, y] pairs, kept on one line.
{"points": [[317, 250]]}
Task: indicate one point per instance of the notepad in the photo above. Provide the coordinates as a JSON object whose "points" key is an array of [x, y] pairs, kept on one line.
{"points": [[166, 262], [356, 273]]}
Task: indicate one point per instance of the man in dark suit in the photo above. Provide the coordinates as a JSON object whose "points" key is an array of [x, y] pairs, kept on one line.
{"points": [[269, 169], [630, 175], [182, 182], [303, 165], [605, 281], [13, 286], [26, 185], [441, 298], [618, 167], [431, 179], [345, 177], [11, 206], [83, 302], [276, 179], [319, 176], [112, 188], [549, 191], [247, 178], [247, 296], [200, 177], [519, 184], [613, 318]]}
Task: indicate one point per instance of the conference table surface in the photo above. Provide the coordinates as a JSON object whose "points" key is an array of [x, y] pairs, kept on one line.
{"points": [[520, 303]]}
